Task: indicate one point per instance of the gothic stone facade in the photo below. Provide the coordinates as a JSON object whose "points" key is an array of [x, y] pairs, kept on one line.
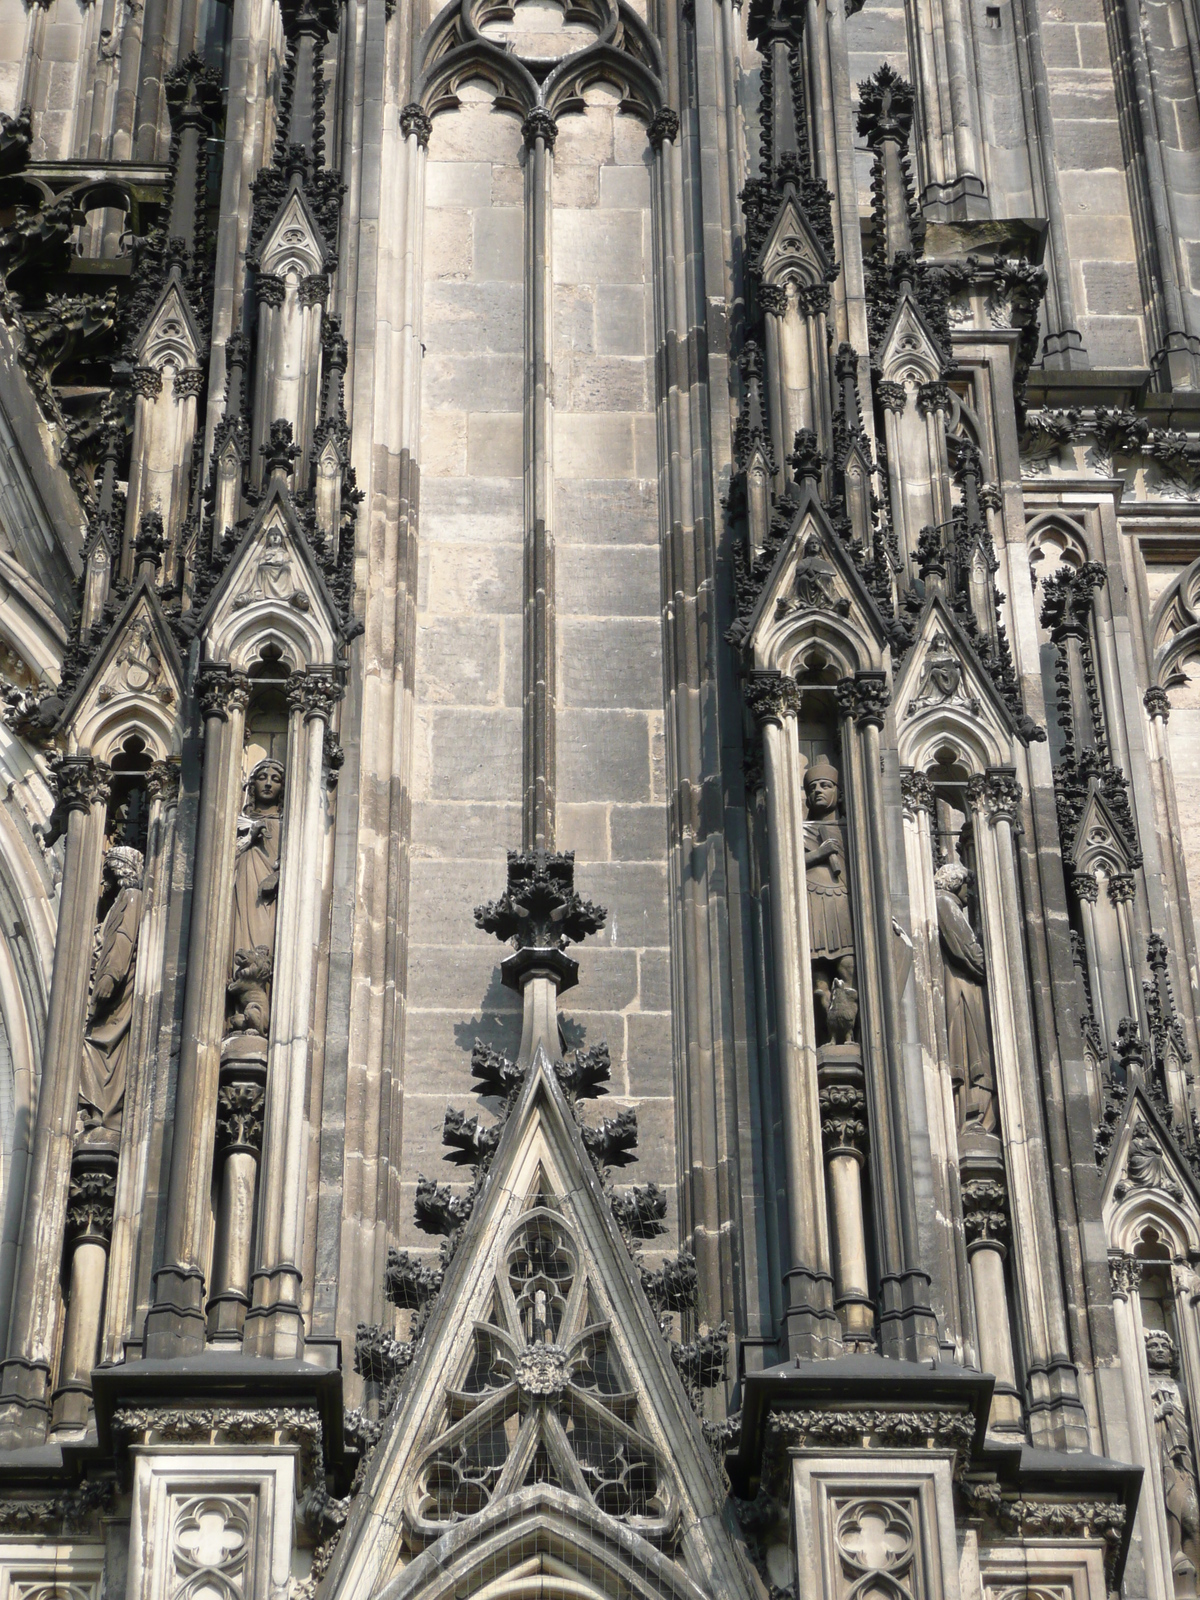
{"points": [[600, 825]]}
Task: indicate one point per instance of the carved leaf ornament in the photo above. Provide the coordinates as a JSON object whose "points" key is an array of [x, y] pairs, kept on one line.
{"points": [[544, 1400]]}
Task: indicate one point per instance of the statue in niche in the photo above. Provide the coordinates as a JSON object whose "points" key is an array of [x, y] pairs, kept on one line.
{"points": [[966, 1008], [255, 894], [1176, 1462], [110, 1002], [830, 929], [273, 572], [814, 582]]}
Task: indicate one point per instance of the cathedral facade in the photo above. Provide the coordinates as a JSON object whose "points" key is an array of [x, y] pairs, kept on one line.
{"points": [[600, 825]]}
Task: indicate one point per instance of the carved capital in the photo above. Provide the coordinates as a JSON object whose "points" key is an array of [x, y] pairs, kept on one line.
{"points": [[146, 382], [1125, 1271], [90, 1204], [843, 1120], [770, 699], [269, 289], [414, 119], [220, 690], [812, 298], [314, 289], [313, 693], [933, 397], [162, 781], [81, 783], [773, 300], [916, 791], [1122, 887], [1157, 703], [239, 1116], [996, 793], [891, 396], [539, 124], [985, 1213], [865, 697], [188, 383], [664, 129], [1085, 886]]}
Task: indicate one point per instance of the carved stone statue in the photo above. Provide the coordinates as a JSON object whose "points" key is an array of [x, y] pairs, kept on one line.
{"points": [[255, 892], [272, 578], [814, 582], [1176, 1462], [830, 929], [110, 1004], [966, 1007]]}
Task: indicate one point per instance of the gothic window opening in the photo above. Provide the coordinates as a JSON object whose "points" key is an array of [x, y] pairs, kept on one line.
{"points": [[128, 802]]}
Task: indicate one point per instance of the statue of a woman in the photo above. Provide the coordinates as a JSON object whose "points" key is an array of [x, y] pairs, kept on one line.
{"points": [[966, 1009], [256, 866], [110, 1004], [830, 929]]}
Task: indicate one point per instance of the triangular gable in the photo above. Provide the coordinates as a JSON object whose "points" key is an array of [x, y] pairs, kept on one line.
{"points": [[169, 333], [542, 1388], [792, 247], [138, 666], [273, 572], [908, 348], [843, 594], [919, 695], [293, 240], [1144, 1158], [1099, 838]]}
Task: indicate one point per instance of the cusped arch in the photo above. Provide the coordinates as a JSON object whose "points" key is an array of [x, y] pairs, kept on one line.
{"points": [[103, 733], [453, 52], [926, 740], [268, 626], [570, 1541], [816, 646], [1055, 541], [634, 81], [1177, 1224]]}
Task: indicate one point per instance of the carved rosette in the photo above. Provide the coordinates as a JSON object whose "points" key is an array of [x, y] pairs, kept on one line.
{"points": [[864, 697], [985, 1214], [770, 699], [843, 1121], [240, 1117], [916, 792], [1125, 1271], [414, 119]]}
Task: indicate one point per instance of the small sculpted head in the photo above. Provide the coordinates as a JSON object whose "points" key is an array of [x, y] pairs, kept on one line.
{"points": [[266, 785], [821, 788]]}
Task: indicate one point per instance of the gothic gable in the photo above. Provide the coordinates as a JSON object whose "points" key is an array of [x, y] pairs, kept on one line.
{"points": [[543, 1388], [908, 350], [814, 587], [293, 241], [942, 686], [1145, 1169], [1099, 840], [792, 250], [133, 685], [272, 587], [169, 334]]}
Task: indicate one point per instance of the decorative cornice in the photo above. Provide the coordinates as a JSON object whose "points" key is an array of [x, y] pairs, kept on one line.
{"points": [[297, 1425], [952, 1428]]}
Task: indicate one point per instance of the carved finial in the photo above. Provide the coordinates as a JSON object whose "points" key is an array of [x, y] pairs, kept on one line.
{"points": [[540, 908], [280, 451]]}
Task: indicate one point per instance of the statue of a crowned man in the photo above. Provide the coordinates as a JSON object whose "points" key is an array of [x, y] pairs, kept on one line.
{"points": [[830, 928]]}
